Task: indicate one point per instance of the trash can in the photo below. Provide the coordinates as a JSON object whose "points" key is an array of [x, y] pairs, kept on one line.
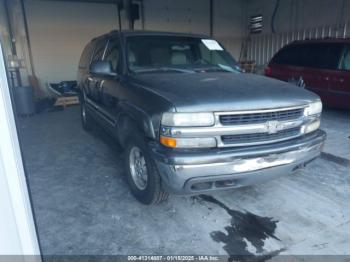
{"points": [[24, 100]]}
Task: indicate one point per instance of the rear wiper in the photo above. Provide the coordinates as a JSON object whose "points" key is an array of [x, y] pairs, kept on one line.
{"points": [[164, 69]]}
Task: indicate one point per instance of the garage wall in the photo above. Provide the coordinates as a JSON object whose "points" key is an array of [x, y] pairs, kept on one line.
{"points": [[178, 16], [4, 35], [229, 18], [59, 31], [300, 14], [295, 20], [194, 17]]}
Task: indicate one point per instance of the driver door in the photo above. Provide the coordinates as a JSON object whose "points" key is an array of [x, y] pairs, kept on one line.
{"points": [[110, 85], [93, 81]]}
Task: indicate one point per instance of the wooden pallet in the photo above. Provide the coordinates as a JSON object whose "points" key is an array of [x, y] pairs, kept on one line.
{"points": [[248, 66], [67, 101]]}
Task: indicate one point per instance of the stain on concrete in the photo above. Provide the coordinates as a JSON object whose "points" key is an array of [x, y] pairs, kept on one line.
{"points": [[244, 226], [335, 159]]}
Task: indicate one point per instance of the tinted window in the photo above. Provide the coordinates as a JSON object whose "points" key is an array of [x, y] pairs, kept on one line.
{"points": [[291, 55], [86, 56], [314, 55], [113, 54], [323, 56], [345, 63], [99, 50]]}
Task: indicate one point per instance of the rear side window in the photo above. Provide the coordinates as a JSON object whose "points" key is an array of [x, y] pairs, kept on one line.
{"points": [[86, 56]]}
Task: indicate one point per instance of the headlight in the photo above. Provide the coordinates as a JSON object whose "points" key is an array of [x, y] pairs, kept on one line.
{"points": [[188, 142], [314, 108], [188, 119], [311, 127]]}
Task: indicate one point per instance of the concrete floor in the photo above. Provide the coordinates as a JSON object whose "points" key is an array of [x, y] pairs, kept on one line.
{"points": [[83, 205]]}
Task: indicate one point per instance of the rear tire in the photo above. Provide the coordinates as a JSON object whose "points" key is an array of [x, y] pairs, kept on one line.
{"points": [[142, 174]]}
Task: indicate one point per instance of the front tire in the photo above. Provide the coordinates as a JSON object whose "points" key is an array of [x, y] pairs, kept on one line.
{"points": [[142, 174]]}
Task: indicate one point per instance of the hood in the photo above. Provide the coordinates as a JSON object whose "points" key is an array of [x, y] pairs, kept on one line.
{"points": [[215, 92]]}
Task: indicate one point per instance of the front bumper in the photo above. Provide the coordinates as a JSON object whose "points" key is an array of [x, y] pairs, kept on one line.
{"points": [[193, 172]]}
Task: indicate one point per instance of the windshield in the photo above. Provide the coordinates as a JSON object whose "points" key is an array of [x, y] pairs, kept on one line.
{"points": [[177, 54]]}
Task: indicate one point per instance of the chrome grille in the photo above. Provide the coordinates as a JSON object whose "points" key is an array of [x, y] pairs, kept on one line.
{"points": [[259, 138], [261, 117]]}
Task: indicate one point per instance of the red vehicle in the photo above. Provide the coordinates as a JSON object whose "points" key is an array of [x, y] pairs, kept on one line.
{"points": [[322, 66]]}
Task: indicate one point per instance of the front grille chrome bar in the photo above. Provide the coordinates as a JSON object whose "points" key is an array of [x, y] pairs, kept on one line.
{"points": [[261, 129], [219, 130]]}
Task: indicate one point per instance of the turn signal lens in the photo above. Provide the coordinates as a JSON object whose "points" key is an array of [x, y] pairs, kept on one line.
{"points": [[204, 142], [168, 141]]}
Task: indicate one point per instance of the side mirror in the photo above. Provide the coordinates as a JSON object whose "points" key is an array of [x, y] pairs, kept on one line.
{"points": [[102, 68]]}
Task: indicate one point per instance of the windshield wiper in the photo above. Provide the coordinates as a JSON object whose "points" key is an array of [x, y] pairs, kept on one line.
{"points": [[164, 69], [212, 69], [217, 68]]}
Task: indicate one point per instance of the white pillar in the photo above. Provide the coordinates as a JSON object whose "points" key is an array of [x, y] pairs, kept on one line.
{"points": [[17, 230]]}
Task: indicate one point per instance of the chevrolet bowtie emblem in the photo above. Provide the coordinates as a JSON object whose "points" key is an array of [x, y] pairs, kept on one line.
{"points": [[273, 127]]}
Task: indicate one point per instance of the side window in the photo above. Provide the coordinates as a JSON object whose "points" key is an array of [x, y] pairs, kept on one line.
{"points": [[113, 54], [323, 56], [345, 64], [99, 51], [334, 55], [289, 55], [86, 56]]}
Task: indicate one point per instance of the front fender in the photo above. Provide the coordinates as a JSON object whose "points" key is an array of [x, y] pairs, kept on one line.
{"points": [[138, 117]]}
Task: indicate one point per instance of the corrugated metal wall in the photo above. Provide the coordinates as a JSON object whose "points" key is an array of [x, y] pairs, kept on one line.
{"points": [[261, 48]]}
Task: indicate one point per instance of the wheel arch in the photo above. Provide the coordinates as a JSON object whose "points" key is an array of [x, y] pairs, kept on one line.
{"points": [[134, 119]]}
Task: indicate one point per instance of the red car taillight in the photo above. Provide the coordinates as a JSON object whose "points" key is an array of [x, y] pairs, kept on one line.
{"points": [[268, 71]]}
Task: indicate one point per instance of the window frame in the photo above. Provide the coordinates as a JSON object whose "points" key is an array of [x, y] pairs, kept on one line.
{"points": [[346, 50], [96, 44], [117, 39]]}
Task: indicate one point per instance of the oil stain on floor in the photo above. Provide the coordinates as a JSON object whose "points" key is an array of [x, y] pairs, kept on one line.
{"points": [[244, 226]]}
